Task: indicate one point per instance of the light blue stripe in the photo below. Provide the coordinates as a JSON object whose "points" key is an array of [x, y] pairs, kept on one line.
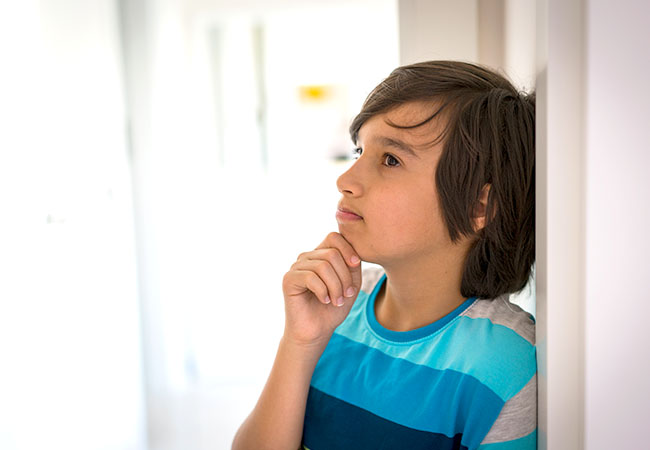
{"points": [[494, 354], [525, 443], [415, 396], [359, 307], [356, 316]]}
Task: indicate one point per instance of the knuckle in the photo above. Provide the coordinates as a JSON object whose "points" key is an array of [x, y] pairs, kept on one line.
{"points": [[331, 253], [332, 235], [287, 277]]}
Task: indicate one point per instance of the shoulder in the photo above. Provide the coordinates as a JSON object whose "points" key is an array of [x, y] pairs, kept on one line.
{"points": [[501, 312], [498, 345]]}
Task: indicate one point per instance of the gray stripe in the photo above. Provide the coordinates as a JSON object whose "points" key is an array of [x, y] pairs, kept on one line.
{"points": [[501, 312], [518, 418]]}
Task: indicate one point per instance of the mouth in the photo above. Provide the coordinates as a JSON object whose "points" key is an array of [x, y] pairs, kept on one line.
{"points": [[345, 214]]}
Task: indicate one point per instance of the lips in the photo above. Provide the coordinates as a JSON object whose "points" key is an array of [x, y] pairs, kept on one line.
{"points": [[347, 210]]}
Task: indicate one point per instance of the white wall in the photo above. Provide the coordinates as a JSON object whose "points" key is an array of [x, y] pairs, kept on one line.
{"points": [[438, 29], [520, 42], [617, 303], [70, 370], [593, 189], [560, 224]]}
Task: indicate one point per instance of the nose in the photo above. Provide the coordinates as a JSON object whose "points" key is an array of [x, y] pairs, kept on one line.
{"points": [[349, 182]]}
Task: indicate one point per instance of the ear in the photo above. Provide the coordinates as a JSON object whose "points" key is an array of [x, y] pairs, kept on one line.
{"points": [[480, 210]]}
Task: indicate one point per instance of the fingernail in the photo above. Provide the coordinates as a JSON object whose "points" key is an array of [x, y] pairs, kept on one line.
{"points": [[355, 259], [339, 301], [327, 299], [349, 292]]}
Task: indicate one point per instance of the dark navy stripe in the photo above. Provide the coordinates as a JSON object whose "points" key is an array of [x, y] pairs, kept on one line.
{"points": [[331, 423], [415, 396]]}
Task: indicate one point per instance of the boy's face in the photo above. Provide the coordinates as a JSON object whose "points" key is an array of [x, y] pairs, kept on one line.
{"points": [[394, 190]]}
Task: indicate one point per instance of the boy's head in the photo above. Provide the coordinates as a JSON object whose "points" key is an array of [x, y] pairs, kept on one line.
{"points": [[486, 167]]}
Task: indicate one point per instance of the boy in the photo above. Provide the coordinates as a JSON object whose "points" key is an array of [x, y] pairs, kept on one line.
{"points": [[424, 351]]}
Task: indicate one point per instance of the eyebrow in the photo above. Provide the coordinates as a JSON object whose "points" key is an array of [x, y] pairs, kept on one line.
{"points": [[396, 143]]}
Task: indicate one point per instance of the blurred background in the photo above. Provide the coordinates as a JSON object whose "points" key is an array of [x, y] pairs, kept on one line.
{"points": [[162, 164]]}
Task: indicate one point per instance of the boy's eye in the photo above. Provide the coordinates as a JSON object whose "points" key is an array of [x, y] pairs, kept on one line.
{"points": [[390, 160]]}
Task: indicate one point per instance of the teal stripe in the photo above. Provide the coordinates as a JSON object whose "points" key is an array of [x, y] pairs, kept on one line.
{"points": [[493, 354], [415, 396], [525, 443]]}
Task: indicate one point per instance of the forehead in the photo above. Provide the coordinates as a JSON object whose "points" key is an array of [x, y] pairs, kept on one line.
{"points": [[404, 123]]}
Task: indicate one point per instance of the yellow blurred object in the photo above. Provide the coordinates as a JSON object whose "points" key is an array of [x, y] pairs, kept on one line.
{"points": [[314, 93]]}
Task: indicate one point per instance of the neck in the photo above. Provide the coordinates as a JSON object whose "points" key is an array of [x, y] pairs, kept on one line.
{"points": [[418, 293]]}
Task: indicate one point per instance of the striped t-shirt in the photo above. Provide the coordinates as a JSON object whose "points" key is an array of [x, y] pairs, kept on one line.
{"points": [[465, 381]]}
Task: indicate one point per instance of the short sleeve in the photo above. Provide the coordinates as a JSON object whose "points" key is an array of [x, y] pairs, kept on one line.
{"points": [[516, 425]]}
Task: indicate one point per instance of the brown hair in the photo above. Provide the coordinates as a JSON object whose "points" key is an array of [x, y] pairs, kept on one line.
{"points": [[489, 139]]}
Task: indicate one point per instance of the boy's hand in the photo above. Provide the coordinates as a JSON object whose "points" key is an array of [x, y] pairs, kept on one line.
{"points": [[319, 291]]}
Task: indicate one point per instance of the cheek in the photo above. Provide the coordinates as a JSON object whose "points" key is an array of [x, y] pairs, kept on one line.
{"points": [[410, 214]]}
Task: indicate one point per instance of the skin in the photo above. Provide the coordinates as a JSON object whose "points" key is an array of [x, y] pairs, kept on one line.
{"points": [[401, 229]]}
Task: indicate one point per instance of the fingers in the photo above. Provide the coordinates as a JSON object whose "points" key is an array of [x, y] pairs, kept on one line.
{"points": [[349, 254], [336, 240], [332, 271], [315, 284]]}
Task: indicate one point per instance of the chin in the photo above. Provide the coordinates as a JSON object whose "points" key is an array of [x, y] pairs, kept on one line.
{"points": [[366, 254], [354, 242]]}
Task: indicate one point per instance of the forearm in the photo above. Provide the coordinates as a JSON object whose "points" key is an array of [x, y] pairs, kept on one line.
{"points": [[277, 420], [311, 287]]}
